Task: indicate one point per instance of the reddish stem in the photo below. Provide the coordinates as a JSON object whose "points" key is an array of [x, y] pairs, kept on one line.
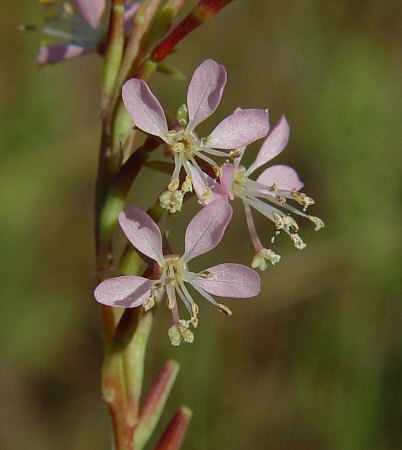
{"points": [[204, 10]]}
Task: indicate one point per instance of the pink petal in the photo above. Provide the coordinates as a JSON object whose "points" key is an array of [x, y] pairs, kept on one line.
{"points": [[206, 229], [200, 185], [226, 179], [240, 129], [205, 91], [127, 292], [142, 232], [144, 108], [50, 54], [231, 280], [275, 142], [284, 176], [91, 10]]}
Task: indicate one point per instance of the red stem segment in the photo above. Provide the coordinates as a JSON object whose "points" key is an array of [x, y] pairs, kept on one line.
{"points": [[204, 10]]}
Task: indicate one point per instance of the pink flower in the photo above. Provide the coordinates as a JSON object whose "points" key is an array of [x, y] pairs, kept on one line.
{"points": [[77, 26], [203, 97], [171, 272], [268, 195]]}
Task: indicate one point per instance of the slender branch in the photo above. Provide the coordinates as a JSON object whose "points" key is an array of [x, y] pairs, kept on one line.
{"points": [[114, 50]]}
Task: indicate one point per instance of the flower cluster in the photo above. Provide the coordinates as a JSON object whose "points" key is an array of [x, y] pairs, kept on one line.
{"points": [[196, 169]]}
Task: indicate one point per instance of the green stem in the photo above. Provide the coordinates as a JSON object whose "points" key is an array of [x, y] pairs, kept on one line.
{"points": [[114, 50], [142, 22]]}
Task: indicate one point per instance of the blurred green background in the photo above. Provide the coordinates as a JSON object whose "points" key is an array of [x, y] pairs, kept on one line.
{"points": [[315, 361]]}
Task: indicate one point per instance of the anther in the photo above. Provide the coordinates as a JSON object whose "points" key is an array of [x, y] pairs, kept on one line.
{"points": [[297, 241], [149, 304], [178, 147], [205, 274], [279, 222], [174, 185], [170, 302], [289, 222], [195, 309], [224, 309], [187, 185], [317, 222]]}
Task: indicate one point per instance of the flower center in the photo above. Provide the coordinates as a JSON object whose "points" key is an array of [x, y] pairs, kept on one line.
{"points": [[186, 144], [174, 269]]}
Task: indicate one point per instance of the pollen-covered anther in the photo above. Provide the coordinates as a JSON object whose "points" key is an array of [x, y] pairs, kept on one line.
{"points": [[195, 309], [171, 134], [281, 199], [180, 332], [297, 241], [178, 147], [303, 199], [279, 221], [261, 259], [317, 222], [224, 309], [274, 188], [174, 185], [149, 304], [187, 185], [170, 302], [172, 201], [289, 222]]}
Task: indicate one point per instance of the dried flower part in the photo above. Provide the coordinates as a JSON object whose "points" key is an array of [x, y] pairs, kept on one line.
{"points": [[171, 273]]}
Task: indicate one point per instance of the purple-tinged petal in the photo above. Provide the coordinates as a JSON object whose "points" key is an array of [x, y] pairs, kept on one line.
{"points": [[142, 232], [201, 184], [206, 229], [283, 176], [50, 54], [230, 280], [226, 179], [205, 91], [128, 291], [239, 129], [275, 142], [91, 10], [143, 107]]}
